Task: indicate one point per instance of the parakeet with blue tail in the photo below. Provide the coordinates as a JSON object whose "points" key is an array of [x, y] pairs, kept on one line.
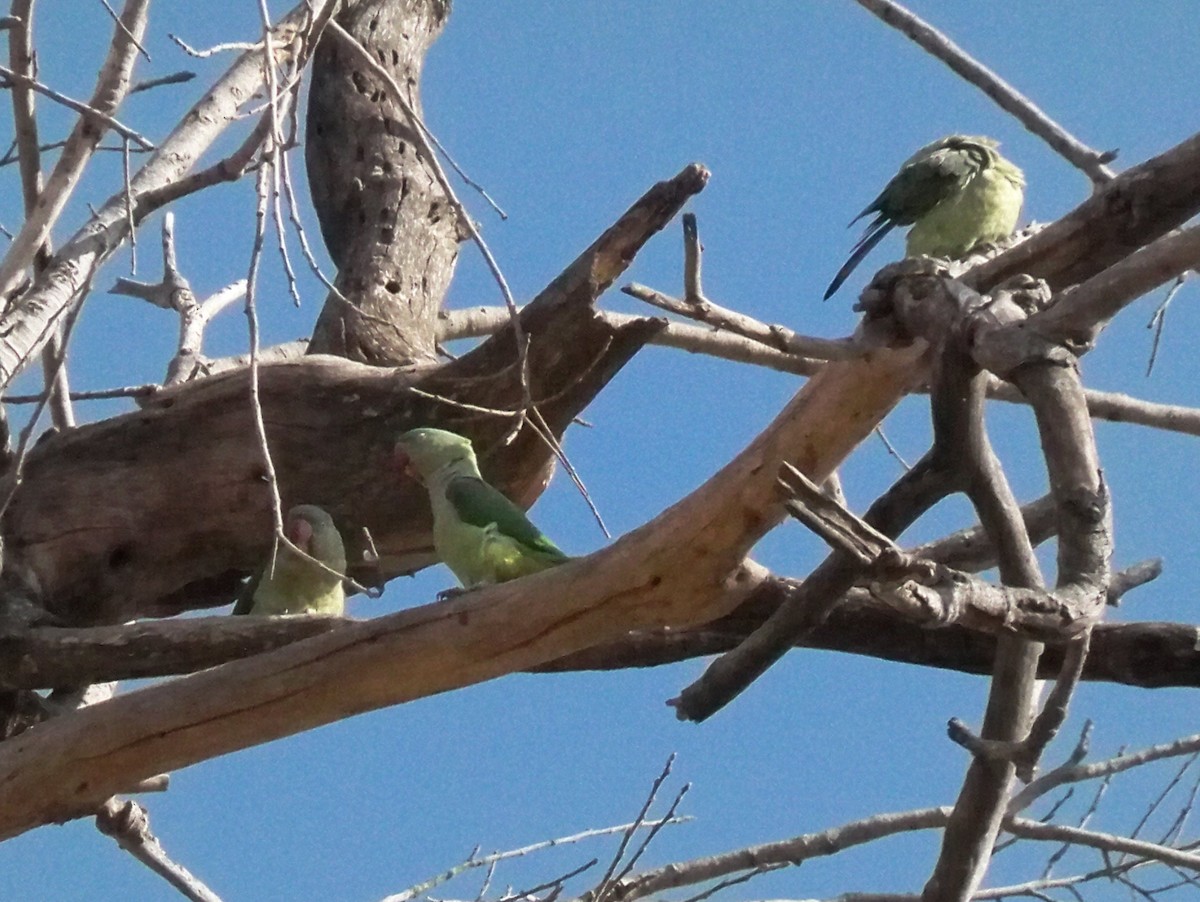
{"points": [[956, 193]]}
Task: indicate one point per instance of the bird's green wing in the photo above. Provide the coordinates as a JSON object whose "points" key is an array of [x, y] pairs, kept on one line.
{"points": [[923, 183], [930, 177], [481, 505]]}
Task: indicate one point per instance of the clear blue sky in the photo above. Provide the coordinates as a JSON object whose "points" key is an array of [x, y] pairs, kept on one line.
{"points": [[567, 112]]}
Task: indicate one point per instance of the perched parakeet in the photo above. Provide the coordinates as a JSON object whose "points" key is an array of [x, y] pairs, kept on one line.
{"points": [[477, 532], [297, 585], [955, 193]]}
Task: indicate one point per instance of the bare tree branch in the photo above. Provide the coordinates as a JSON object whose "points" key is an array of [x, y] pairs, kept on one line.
{"points": [[112, 84], [128, 823], [1006, 96], [27, 323], [790, 851]]}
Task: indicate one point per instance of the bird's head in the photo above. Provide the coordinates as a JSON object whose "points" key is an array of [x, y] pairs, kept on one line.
{"points": [[312, 530], [975, 143], [421, 452]]}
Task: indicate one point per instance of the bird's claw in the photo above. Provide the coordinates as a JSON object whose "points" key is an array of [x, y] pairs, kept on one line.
{"points": [[451, 593]]}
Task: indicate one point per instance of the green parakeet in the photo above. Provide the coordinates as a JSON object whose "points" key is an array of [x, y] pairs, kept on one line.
{"points": [[478, 533], [297, 585], [955, 193]]}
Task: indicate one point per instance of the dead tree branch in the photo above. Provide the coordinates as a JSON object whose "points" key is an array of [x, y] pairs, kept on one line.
{"points": [[1009, 99], [128, 823], [29, 321], [112, 84]]}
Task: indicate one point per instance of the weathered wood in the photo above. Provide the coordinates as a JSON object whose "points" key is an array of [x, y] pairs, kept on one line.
{"points": [[165, 509], [388, 225], [1149, 655], [679, 569]]}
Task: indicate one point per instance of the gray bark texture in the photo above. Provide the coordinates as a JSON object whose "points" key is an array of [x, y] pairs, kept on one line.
{"points": [[388, 225]]}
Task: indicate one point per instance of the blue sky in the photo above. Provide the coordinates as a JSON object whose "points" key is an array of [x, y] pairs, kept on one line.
{"points": [[567, 112]]}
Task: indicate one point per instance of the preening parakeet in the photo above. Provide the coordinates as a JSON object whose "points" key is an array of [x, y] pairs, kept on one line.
{"points": [[955, 193], [477, 532], [297, 585]]}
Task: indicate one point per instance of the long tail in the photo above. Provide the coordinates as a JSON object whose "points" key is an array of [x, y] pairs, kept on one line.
{"points": [[873, 235]]}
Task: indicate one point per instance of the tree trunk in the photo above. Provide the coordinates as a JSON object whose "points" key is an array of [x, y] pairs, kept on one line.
{"points": [[387, 223]]}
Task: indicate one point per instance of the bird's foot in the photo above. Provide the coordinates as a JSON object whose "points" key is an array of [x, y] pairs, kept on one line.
{"points": [[451, 593]]}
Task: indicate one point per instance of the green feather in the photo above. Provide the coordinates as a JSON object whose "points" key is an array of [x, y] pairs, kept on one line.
{"points": [[479, 504], [956, 193], [482, 536], [297, 585]]}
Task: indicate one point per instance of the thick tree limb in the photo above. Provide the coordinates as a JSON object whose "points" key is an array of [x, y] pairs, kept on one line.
{"points": [[94, 552], [674, 570], [1150, 655]]}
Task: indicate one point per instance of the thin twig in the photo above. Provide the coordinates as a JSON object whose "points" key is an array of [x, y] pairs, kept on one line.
{"points": [[78, 106], [1159, 320], [262, 186], [1162, 796], [175, 78], [494, 858], [542, 428], [777, 337], [602, 887], [104, 394], [1107, 842], [1186, 745], [1005, 95], [653, 832], [241, 46], [113, 15], [274, 147], [125, 173], [784, 852], [891, 449]]}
